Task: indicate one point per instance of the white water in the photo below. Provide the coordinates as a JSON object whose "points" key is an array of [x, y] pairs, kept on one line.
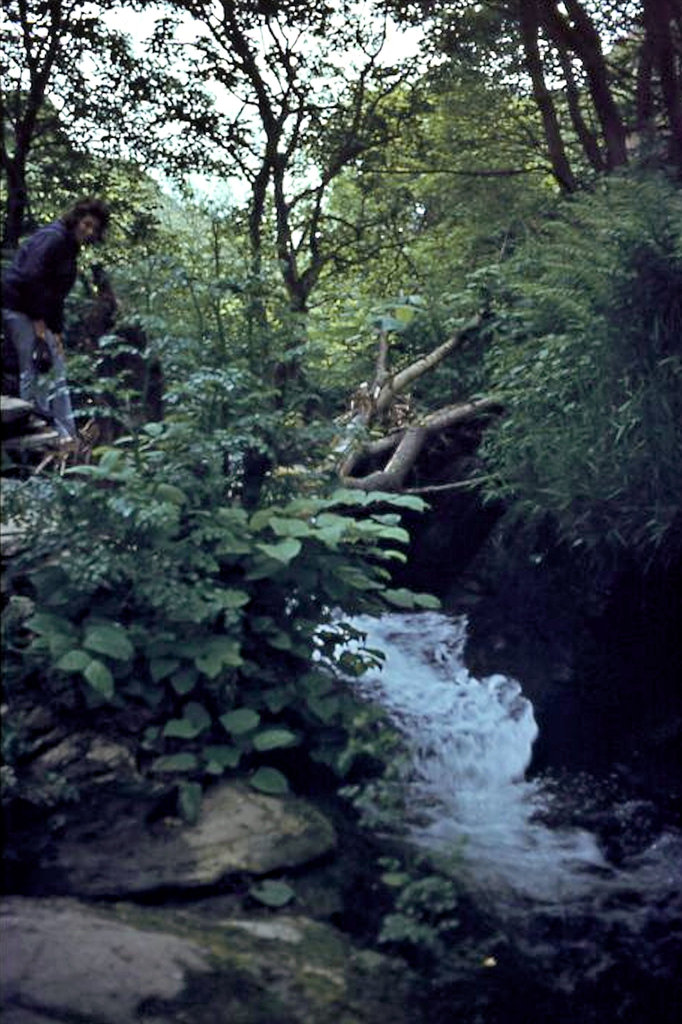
{"points": [[471, 741]]}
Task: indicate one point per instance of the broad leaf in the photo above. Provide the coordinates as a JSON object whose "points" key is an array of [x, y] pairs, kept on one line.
{"points": [[181, 728], [224, 756], [272, 893], [197, 714], [289, 527], [45, 623], [271, 739], [99, 677], [159, 668], [216, 654], [269, 780], [241, 721], [74, 661], [184, 680], [175, 763], [189, 801], [110, 639], [285, 551]]}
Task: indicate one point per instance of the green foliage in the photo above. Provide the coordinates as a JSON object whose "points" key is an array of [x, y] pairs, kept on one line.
{"points": [[423, 919], [588, 357], [272, 893], [155, 590]]}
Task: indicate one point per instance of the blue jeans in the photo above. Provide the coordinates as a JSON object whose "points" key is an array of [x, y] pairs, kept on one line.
{"points": [[48, 392]]}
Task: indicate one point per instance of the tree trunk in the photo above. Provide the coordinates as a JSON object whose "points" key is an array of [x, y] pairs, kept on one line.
{"points": [[587, 46], [530, 27], [659, 20], [556, 31], [15, 204]]}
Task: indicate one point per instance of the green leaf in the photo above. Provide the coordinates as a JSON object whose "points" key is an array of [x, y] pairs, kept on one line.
{"points": [[271, 739], [401, 598], [217, 653], [59, 644], [74, 661], [394, 533], [325, 708], [269, 780], [195, 720], [181, 728], [184, 680], [175, 763], [159, 668], [110, 639], [271, 893], [168, 492], [388, 323], [395, 879], [279, 640], [289, 527], [189, 801], [45, 623], [285, 551], [241, 721], [99, 677], [277, 698], [234, 598], [197, 714], [224, 756]]}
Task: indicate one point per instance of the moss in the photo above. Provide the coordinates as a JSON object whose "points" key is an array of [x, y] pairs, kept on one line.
{"points": [[275, 969]]}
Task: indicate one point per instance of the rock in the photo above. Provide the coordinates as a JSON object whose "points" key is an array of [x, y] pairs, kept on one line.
{"points": [[239, 830], [85, 759], [61, 959], [66, 961], [12, 537]]}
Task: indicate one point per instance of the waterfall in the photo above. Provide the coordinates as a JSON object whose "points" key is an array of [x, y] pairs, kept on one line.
{"points": [[466, 790]]}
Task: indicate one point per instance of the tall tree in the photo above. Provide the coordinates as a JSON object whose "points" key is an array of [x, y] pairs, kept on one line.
{"points": [[562, 50], [305, 87], [67, 71], [659, 74], [44, 46]]}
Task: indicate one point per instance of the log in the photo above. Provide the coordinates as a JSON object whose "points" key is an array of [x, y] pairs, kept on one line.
{"points": [[406, 445]]}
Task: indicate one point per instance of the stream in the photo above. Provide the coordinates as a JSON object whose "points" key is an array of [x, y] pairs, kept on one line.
{"points": [[581, 877]]}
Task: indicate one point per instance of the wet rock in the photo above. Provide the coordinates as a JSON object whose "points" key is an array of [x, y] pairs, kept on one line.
{"points": [[238, 830], [66, 961]]}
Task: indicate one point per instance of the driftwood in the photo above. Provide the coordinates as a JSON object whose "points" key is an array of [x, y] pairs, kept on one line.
{"points": [[407, 433]]}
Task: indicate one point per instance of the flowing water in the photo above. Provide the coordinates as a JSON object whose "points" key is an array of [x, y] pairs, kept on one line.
{"points": [[594, 908]]}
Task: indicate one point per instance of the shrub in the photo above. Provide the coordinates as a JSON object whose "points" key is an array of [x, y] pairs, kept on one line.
{"points": [[156, 590], [588, 356]]}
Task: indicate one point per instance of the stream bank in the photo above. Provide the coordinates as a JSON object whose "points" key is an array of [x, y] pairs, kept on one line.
{"points": [[313, 958]]}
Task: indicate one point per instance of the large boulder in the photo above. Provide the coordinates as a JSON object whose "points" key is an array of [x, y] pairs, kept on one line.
{"points": [[65, 961], [238, 830]]}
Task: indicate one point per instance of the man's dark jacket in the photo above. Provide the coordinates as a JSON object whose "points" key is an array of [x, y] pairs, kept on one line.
{"points": [[42, 275]]}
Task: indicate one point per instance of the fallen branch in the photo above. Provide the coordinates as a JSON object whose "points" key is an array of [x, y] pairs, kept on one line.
{"points": [[401, 380], [407, 444]]}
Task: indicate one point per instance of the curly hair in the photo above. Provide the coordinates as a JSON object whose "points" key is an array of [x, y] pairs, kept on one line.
{"points": [[94, 207]]}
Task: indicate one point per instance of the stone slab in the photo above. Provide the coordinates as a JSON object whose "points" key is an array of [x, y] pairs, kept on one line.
{"points": [[62, 959]]}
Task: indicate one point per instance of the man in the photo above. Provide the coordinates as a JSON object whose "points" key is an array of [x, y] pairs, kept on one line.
{"points": [[34, 290]]}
